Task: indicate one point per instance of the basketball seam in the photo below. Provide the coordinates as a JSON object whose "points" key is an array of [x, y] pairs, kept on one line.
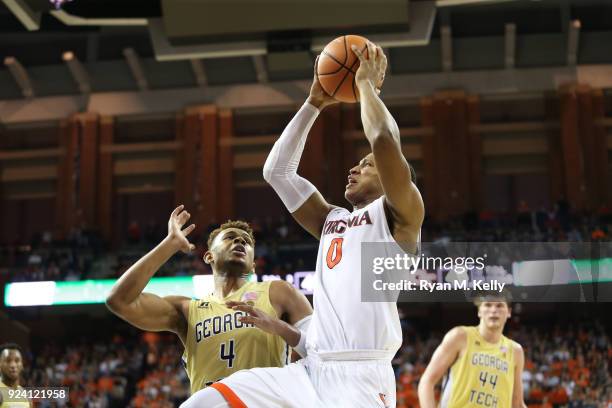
{"points": [[343, 65], [341, 82], [333, 72], [354, 74], [326, 74], [338, 62], [365, 47]]}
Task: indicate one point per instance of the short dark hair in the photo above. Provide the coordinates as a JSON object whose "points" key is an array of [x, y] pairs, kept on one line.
{"points": [[10, 346], [413, 175], [243, 225], [492, 296]]}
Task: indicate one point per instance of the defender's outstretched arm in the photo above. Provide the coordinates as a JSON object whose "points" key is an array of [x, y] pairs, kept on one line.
{"points": [[148, 311]]}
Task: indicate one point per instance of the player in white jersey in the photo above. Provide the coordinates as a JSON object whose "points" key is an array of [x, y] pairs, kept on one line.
{"points": [[350, 343]]}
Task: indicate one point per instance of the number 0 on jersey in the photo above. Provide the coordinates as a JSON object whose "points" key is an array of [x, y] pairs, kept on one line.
{"points": [[334, 253]]}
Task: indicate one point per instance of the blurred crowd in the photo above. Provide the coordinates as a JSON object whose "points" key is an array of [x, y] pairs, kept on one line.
{"points": [[116, 374], [281, 245], [565, 367], [525, 224]]}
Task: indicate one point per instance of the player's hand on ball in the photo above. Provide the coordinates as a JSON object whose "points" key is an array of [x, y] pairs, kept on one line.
{"points": [[256, 317], [318, 97], [176, 234], [371, 69]]}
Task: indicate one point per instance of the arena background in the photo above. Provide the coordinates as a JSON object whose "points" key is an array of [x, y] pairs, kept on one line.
{"points": [[113, 112]]}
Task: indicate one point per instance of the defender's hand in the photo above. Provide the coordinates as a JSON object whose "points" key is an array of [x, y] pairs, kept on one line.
{"points": [[176, 235], [371, 70], [318, 97], [256, 317]]}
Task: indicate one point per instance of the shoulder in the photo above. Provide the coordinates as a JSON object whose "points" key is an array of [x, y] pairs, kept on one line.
{"points": [[281, 290], [411, 213], [457, 333], [455, 339], [519, 353], [284, 297], [337, 211], [178, 300], [180, 303]]}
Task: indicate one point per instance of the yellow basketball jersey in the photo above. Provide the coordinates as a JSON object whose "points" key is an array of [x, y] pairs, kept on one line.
{"points": [[483, 376], [14, 403], [218, 344]]}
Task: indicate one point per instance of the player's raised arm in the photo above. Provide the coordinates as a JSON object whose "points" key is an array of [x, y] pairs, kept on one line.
{"points": [[444, 356], [402, 196], [148, 311], [301, 197], [517, 389]]}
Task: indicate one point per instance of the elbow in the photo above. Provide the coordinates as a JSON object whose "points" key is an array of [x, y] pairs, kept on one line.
{"points": [[267, 173], [113, 303], [273, 175], [384, 140], [268, 170], [424, 385]]}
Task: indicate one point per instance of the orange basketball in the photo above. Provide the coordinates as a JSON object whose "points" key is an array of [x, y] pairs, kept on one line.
{"points": [[337, 66]]}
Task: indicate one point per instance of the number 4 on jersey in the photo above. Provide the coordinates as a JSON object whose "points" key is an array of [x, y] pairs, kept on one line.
{"points": [[227, 353], [334, 253], [492, 379]]}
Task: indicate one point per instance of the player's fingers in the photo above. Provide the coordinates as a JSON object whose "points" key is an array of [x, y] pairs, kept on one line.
{"points": [[232, 303], [248, 320], [315, 65], [371, 51], [383, 58], [357, 52], [189, 229], [246, 308], [240, 306], [183, 217], [177, 210]]}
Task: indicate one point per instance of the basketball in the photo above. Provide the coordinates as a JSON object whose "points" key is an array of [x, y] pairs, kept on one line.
{"points": [[201, 207], [337, 66]]}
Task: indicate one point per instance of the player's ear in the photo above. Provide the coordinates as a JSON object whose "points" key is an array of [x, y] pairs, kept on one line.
{"points": [[208, 257]]}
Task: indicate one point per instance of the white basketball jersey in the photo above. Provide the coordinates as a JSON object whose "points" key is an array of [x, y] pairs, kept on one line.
{"points": [[341, 321]]}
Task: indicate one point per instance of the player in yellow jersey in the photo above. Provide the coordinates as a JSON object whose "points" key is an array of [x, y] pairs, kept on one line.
{"points": [[485, 366], [11, 366], [217, 342]]}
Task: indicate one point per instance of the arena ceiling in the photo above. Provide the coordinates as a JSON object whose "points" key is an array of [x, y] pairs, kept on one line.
{"points": [[112, 45]]}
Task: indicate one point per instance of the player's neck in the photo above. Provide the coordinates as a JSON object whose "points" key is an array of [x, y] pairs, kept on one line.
{"points": [[358, 205], [226, 285], [489, 335], [362, 204], [9, 383]]}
